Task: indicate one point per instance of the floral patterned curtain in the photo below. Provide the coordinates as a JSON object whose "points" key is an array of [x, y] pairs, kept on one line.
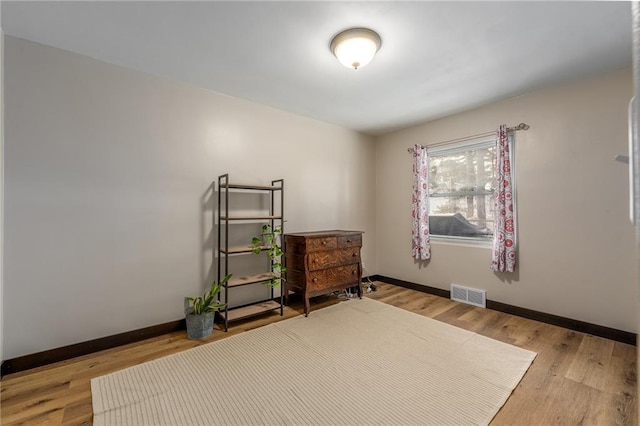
{"points": [[504, 234], [421, 247]]}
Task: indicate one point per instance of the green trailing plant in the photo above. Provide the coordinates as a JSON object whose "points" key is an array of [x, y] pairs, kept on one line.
{"points": [[268, 242], [209, 301]]}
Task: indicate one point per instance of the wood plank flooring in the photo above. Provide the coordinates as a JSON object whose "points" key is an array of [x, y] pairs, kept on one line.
{"points": [[576, 379]]}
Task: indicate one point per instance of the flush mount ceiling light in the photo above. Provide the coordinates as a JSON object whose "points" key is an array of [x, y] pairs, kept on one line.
{"points": [[355, 47]]}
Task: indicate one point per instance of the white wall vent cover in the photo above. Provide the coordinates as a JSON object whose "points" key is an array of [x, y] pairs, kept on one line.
{"points": [[469, 295]]}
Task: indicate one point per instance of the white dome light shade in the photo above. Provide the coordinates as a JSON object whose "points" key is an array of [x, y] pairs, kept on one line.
{"points": [[355, 47]]}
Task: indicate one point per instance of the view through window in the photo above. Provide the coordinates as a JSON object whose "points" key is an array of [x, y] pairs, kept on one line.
{"points": [[461, 191]]}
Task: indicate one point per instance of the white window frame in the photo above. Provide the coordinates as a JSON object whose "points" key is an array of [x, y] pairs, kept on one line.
{"points": [[442, 151]]}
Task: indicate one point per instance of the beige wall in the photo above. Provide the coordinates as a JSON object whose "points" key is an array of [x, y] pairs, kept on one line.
{"points": [[576, 244], [107, 208]]}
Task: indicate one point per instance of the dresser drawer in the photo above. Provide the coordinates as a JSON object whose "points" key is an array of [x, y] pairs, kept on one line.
{"points": [[354, 240], [329, 259], [324, 243], [333, 276]]}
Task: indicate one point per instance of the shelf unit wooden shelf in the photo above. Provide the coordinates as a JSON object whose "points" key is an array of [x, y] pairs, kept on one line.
{"points": [[252, 310], [239, 249], [275, 217], [251, 217], [273, 187], [250, 279]]}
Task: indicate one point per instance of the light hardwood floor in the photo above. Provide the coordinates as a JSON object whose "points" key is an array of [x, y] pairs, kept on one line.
{"points": [[576, 379]]}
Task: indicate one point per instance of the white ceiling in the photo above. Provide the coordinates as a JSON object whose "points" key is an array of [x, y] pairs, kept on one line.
{"points": [[437, 58]]}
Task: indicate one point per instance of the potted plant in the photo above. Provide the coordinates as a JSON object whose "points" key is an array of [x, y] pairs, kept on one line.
{"points": [[269, 241], [200, 311]]}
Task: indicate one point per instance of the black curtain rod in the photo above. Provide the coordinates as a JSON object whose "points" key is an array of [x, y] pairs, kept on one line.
{"points": [[521, 126]]}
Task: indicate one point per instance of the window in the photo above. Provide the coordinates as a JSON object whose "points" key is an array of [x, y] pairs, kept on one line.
{"points": [[461, 191]]}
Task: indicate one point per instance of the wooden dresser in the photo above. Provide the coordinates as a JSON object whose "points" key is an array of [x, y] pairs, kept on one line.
{"points": [[322, 262]]}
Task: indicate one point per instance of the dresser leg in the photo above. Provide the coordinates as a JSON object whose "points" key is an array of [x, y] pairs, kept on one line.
{"points": [[306, 306]]}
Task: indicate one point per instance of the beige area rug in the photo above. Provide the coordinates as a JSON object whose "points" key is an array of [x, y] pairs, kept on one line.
{"points": [[359, 362]]}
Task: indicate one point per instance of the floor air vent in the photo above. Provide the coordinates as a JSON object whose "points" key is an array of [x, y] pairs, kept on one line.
{"points": [[469, 295]]}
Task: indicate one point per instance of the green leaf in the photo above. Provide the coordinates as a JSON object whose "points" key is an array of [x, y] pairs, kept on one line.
{"points": [[208, 302]]}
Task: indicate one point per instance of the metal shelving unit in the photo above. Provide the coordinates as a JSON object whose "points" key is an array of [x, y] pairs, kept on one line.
{"points": [[225, 218]]}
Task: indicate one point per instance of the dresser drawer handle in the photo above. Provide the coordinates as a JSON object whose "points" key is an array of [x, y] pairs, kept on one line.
{"points": [[353, 272], [348, 241], [315, 280], [354, 254], [324, 242]]}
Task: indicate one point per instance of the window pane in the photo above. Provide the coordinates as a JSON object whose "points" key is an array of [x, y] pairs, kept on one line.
{"points": [[465, 171], [461, 192], [462, 216]]}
